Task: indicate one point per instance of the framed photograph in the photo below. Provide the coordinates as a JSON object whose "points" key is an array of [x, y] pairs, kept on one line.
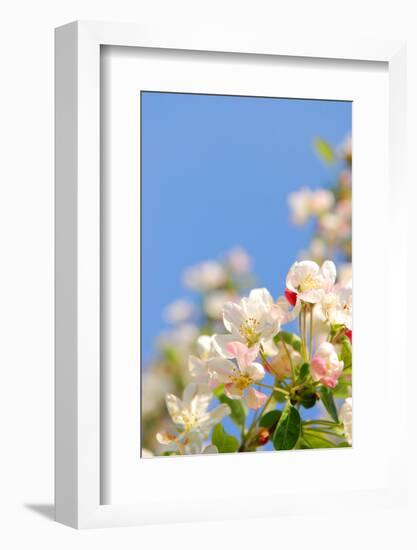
{"points": [[229, 241]]}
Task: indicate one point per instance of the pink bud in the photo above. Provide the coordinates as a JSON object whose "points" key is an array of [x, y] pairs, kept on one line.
{"points": [[348, 333], [291, 296], [318, 367], [263, 437]]}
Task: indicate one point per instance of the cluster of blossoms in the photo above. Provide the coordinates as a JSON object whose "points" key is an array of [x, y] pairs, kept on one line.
{"points": [[258, 366], [214, 282], [331, 208]]}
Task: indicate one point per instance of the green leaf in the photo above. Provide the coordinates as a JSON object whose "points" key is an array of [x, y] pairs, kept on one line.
{"points": [[224, 442], [346, 352], [303, 372], [288, 429], [328, 402], [279, 397], [324, 150], [344, 386], [318, 441], [270, 420], [289, 338], [238, 414]]}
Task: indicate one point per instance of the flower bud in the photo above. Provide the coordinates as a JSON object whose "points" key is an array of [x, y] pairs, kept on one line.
{"points": [[262, 437], [291, 296]]}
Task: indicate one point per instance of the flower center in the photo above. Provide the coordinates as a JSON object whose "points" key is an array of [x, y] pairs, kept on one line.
{"points": [[249, 330], [241, 381], [309, 283], [189, 420]]}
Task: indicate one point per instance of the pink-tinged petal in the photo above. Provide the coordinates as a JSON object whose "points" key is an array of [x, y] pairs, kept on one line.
{"points": [[255, 399], [242, 353], [348, 333], [220, 343], [291, 297], [232, 391], [329, 382], [318, 367]]}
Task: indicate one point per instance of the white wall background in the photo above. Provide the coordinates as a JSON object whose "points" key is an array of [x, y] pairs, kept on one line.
{"points": [[26, 273]]}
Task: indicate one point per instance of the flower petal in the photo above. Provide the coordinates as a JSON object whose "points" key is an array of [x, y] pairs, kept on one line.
{"points": [[328, 270], [242, 353], [233, 316], [174, 406], [166, 438], [312, 296], [220, 343], [204, 346], [232, 391], [262, 296], [255, 399], [222, 369], [255, 371], [196, 366], [200, 400], [215, 416]]}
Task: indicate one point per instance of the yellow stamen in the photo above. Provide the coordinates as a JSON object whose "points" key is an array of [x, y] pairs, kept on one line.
{"points": [[249, 330]]}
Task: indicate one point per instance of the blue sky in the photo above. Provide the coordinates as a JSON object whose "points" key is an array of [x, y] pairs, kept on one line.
{"points": [[216, 173]]}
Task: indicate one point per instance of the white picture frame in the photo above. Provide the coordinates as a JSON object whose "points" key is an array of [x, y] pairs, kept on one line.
{"points": [[78, 265]]}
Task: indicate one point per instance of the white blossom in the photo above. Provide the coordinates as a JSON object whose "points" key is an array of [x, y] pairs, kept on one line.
{"points": [[309, 281], [251, 321], [240, 376], [345, 415], [192, 418], [205, 276], [179, 311]]}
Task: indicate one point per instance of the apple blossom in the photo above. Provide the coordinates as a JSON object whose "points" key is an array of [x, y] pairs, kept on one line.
{"points": [[309, 281], [185, 443], [344, 275], [251, 321], [239, 260], [325, 366], [192, 419], [214, 302], [178, 311], [345, 415], [281, 364], [336, 307], [306, 203], [180, 337], [321, 201], [240, 376], [300, 203], [205, 276], [345, 150], [203, 367]]}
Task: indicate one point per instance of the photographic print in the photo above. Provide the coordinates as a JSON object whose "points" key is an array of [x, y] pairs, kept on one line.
{"points": [[246, 274]]}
